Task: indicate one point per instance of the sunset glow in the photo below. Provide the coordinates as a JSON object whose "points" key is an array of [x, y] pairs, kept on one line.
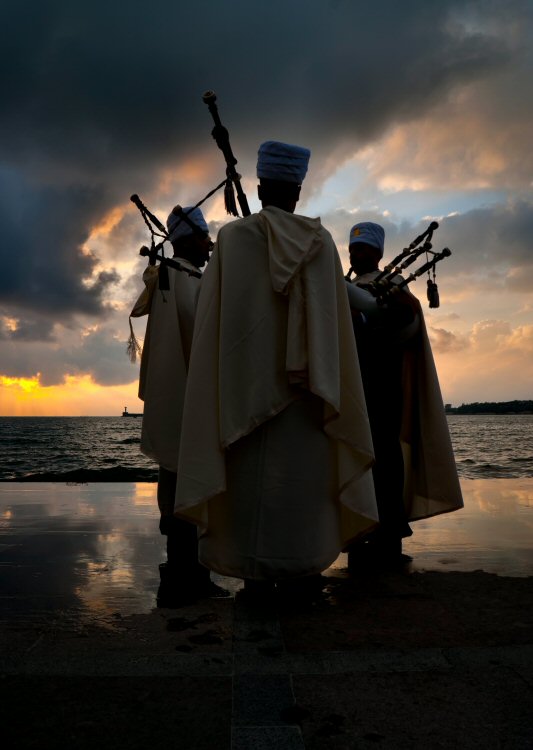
{"points": [[426, 116], [77, 396]]}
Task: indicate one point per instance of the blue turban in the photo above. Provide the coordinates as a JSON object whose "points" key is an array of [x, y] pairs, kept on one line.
{"points": [[178, 228], [370, 233], [281, 161]]}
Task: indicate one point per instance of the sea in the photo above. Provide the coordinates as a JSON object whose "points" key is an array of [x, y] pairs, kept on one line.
{"points": [[107, 449]]}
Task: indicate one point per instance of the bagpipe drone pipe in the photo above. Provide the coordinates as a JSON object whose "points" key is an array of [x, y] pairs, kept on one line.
{"points": [[158, 231], [389, 281]]}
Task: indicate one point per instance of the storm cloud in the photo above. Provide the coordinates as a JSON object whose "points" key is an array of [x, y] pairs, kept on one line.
{"points": [[101, 100]]}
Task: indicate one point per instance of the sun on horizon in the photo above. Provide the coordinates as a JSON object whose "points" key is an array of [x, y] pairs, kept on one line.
{"points": [[78, 395]]}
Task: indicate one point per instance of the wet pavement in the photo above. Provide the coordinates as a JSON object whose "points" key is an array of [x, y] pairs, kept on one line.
{"points": [[437, 654]]}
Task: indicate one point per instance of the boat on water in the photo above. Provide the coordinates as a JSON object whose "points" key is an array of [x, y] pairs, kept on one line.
{"points": [[127, 413]]}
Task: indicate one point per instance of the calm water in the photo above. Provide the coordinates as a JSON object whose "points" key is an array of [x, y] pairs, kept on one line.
{"points": [[73, 448], [107, 448], [494, 446]]}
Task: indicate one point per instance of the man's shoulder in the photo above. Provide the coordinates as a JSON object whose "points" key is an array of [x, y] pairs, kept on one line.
{"points": [[241, 231], [325, 234], [314, 224], [245, 224], [280, 223], [296, 223]]}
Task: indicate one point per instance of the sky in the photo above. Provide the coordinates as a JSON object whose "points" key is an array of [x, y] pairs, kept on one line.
{"points": [[413, 111]]}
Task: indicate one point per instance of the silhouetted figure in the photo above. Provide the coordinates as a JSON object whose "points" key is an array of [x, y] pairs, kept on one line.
{"points": [[162, 382], [275, 450], [414, 475]]}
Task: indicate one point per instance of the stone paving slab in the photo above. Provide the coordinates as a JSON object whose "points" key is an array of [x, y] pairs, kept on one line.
{"points": [[482, 656], [267, 738], [390, 661], [421, 610], [262, 700], [124, 665], [115, 713], [466, 708]]}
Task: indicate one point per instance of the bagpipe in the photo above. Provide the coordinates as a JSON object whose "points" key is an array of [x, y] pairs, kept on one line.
{"points": [[388, 283], [158, 231], [160, 235], [233, 178], [156, 250]]}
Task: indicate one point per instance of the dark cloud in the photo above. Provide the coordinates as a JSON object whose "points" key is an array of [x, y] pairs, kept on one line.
{"points": [[487, 240], [94, 88], [483, 241], [100, 353], [28, 330], [98, 99], [43, 229]]}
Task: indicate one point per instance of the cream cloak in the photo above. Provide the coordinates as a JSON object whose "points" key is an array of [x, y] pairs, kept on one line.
{"points": [[431, 484], [165, 360], [274, 416]]}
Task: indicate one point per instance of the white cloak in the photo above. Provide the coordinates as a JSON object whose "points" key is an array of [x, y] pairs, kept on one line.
{"points": [[164, 364], [276, 448]]}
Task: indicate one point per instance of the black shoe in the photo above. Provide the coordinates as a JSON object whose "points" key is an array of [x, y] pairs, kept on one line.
{"points": [[171, 597], [210, 590], [258, 592], [303, 589], [376, 553]]}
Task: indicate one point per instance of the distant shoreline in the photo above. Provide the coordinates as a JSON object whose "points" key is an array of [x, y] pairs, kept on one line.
{"points": [[488, 408], [482, 408]]}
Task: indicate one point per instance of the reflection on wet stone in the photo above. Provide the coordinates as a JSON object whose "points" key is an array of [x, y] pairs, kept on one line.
{"points": [[95, 549], [80, 626]]}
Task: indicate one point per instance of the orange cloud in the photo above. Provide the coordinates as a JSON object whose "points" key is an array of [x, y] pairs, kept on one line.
{"points": [[191, 172], [494, 362], [445, 341], [10, 324], [102, 230], [456, 147], [23, 385], [76, 396], [111, 219]]}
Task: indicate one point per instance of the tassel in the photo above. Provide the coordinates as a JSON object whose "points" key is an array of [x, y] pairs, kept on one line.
{"points": [[433, 294], [133, 348], [229, 199]]}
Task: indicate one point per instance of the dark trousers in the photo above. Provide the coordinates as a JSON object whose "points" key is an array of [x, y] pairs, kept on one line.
{"points": [[382, 381], [182, 538]]}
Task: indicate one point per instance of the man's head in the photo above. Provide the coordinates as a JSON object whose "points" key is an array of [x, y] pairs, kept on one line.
{"points": [[366, 246], [281, 168], [185, 241]]}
